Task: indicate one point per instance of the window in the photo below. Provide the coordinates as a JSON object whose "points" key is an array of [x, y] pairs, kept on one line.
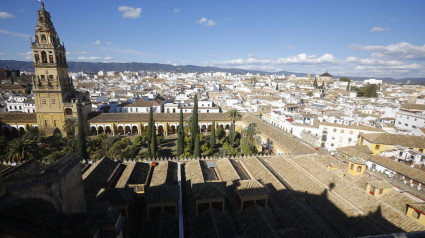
{"points": [[351, 132], [51, 58], [421, 150], [416, 214], [46, 123], [381, 191], [352, 167], [53, 101], [377, 147], [349, 139], [342, 130], [359, 168], [334, 130], [372, 189], [43, 37], [332, 144]]}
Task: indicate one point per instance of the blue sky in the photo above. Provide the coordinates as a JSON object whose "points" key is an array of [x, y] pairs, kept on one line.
{"points": [[359, 38]]}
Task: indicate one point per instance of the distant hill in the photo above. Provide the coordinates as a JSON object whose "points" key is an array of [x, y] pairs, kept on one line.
{"points": [[98, 66]]}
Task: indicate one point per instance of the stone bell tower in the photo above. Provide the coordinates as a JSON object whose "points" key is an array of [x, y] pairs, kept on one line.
{"points": [[55, 97]]}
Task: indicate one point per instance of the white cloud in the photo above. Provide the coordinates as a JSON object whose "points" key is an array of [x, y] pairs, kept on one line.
{"points": [[400, 51], [134, 52], [130, 12], [204, 21], [108, 43], [14, 33], [107, 58], [89, 58], [298, 59], [97, 42], [5, 15], [176, 10], [1, 53], [379, 29], [27, 55]]}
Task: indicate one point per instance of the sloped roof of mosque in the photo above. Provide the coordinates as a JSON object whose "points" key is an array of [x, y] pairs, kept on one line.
{"points": [[18, 117], [395, 139], [326, 74], [281, 139], [209, 190], [144, 117], [250, 187]]}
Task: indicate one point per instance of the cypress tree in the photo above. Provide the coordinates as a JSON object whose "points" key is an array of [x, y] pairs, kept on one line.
{"points": [[277, 87], [180, 136], [315, 85], [196, 152], [150, 125], [154, 146], [194, 129], [348, 86], [323, 85], [81, 134], [212, 136], [232, 134]]}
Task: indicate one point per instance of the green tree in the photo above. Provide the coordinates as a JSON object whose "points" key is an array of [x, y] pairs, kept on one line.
{"points": [[180, 135], [315, 85], [250, 139], [348, 86], [233, 115], [153, 144], [82, 147], [150, 124], [22, 149], [219, 133], [344, 79], [97, 147], [212, 136], [323, 85], [196, 150], [69, 126], [194, 129], [277, 87], [232, 135], [309, 93]]}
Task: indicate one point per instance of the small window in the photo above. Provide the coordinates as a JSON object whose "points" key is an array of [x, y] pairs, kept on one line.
{"points": [[359, 168], [416, 214], [334, 130], [349, 139], [352, 167], [43, 101], [342, 130], [377, 147], [421, 150], [53, 101], [381, 191]]}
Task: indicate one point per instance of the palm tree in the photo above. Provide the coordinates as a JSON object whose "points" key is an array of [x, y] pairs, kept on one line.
{"points": [[22, 149], [69, 126], [234, 115], [250, 137]]}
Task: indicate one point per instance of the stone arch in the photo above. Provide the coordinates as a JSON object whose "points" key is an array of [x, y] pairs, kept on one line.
{"points": [[127, 129], [108, 130], [43, 57], [22, 131], [227, 127], [204, 128], [120, 130], [43, 37], [93, 130], [172, 129], [100, 129], [134, 130], [221, 126], [160, 129], [43, 196], [68, 111], [146, 128], [15, 131], [7, 131], [209, 128]]}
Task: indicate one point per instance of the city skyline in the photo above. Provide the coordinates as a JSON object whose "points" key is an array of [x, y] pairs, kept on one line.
{"points": [[373, 39]]}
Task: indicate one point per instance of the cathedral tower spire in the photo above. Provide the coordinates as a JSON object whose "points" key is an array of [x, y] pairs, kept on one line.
{"points": [[55, 96]]}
